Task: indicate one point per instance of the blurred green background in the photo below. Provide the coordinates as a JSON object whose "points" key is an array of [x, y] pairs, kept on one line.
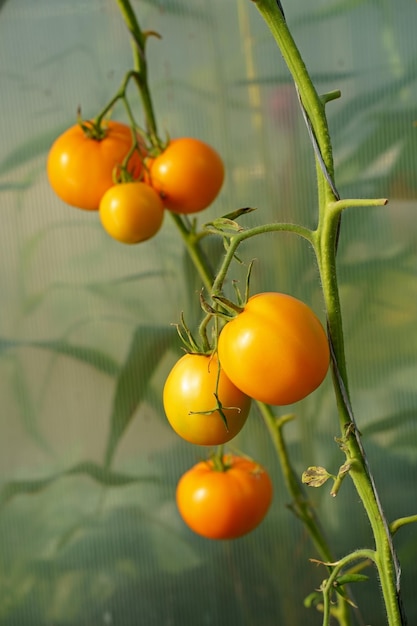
{"points": [[85, 323]]}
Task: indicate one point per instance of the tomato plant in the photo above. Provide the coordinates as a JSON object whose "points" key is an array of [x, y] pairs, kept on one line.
{"points": [[227, 502], [131, 212], [275, 350], [80, 167], [191, 405], [188, 175]]}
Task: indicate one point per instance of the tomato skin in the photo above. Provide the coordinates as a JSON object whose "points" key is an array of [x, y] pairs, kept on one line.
{"points": [[276, 350], [188, 175], [224, 505], [80, 168], [190, 387], [131, 212]]}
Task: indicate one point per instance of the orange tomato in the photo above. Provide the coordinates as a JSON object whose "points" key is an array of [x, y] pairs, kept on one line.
{"points": [[276, 350], [188, 175], [131, 212], [80, 169], [224, 504], [190, 403]]}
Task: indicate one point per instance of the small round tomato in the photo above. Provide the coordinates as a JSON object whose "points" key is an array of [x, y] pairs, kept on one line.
{"points": [[191, 406], [276, 350], [188, 175], [80, 168], [131, 212], [224, 504]]}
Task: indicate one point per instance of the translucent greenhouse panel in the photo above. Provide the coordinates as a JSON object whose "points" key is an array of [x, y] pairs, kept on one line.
{"points": [[89, 529]]}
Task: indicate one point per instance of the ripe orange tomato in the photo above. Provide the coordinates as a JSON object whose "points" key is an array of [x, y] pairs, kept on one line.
{"points": [[188, 175], [80, 168], [276, 350], [189, 401], [224, 504], [131, 212]]}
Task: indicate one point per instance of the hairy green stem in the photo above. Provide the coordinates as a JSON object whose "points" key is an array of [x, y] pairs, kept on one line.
{"points": [[328, 586], [402, 521]]}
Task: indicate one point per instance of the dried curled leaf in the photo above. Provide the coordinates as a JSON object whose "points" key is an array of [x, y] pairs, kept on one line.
{"points": [[315, 476]]}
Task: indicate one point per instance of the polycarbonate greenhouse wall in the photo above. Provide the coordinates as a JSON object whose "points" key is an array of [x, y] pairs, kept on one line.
{"points": [[87, 332]]}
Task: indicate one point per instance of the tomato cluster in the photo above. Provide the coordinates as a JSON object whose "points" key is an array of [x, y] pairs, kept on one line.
{"points": [[275, 351], [107, 169]]}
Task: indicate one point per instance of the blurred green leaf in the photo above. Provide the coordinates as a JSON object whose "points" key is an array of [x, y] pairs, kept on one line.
{"points": [[392, 422], [27, 410], [362, 104], [96, 358], [148, 346], [28, 150], [330, 10], [176, 7], [323, 77], [388, 131], [99, 474], [9, 344]]}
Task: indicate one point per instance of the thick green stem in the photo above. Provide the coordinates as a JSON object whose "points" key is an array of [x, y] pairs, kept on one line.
{"points": [[385, 560], [325, 243]]}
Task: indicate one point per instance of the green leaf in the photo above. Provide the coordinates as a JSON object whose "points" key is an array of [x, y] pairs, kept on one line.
{"points": [[350, 578], [323, 77], [235, 214], [184, 9], [9, 344], [222, 225], [27, 151], [328, 11], [102, 475], [25, 403], [97, 359], [105, 476], [392, 422], [149, 344]]}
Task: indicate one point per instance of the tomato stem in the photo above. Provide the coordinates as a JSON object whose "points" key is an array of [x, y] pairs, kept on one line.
{"points": [[195, 252], [218, 459], [300, 504], [140, 74]]}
